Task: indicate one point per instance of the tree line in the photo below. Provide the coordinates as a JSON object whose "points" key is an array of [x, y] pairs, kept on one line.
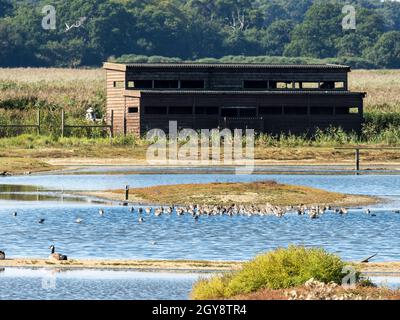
{"points": [[88, 32]]}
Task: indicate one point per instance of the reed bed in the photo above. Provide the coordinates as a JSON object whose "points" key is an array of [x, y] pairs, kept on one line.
{"points": [[23, 90]]}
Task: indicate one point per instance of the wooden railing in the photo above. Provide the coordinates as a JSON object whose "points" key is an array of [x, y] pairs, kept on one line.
{"points": [[25, 126], [101, 126], [357, 153]]}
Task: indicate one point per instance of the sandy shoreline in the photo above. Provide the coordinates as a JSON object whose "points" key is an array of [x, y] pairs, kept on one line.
{"points": [[168, 265]]}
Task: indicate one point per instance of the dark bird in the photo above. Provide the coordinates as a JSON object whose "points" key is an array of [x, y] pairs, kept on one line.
{"points": [[41, 221], [56, 256], [15, 214], [368, 259], [132, 209], [2, 255]]}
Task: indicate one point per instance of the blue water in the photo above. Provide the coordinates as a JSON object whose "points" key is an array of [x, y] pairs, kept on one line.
{"points": [[48, 284], [119, 235], [365, 184]]}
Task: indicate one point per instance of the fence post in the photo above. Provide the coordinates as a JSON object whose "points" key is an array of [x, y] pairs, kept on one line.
{"points": [[357, 158], [38, 121], [62, 123], [112, 124]]}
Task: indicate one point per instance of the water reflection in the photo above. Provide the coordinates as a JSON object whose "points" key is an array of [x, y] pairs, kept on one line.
{"points": [[46, 284]]}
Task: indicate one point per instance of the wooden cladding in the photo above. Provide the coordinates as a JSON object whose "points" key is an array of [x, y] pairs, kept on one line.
{"points": [[267, 98]]}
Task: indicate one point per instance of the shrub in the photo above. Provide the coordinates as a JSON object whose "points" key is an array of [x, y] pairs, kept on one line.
{"points": [[279, 269]]}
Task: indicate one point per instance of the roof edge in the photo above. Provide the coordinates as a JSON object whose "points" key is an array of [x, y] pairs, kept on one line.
{"points": [[114, 66], [125, 66]]}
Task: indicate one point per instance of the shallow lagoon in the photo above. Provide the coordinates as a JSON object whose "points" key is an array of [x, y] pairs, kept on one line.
{"points": [[119, 235], [50, 284]]}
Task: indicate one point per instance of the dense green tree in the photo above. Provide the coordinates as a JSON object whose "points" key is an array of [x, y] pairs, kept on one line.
{"points": [[190, 29], [317, 35], [5, 8], [277, 36], [386, 51]]}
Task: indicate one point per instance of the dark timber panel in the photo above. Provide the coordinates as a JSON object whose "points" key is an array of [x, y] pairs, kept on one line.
{"points": [[224, 102]]}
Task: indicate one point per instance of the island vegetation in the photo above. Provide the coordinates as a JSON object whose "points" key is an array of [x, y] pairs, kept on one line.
{"points": [[246, 194], [295, 273]]}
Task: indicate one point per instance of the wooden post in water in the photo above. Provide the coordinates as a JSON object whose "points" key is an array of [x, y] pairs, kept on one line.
{"points": [[357, 158], [126, 193], [62, 123]]}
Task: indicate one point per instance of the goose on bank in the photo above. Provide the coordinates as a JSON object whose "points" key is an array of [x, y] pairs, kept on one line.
{"points": [[2, 255], [56, 256]]}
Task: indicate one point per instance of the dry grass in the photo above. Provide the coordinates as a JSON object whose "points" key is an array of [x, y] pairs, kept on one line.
{"points": [[382, 86], [255, 193], [72, 89], [23, 165], [173, 265], [76, 87]]}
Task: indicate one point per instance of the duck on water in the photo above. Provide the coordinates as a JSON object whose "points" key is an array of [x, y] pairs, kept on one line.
{"points": [[56, 256]]}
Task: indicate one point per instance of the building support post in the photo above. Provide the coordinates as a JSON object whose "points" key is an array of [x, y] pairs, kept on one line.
{"points": [[112, 124]]}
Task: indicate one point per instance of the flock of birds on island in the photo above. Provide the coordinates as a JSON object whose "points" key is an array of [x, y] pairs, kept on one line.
{"points": [[197, 211]]}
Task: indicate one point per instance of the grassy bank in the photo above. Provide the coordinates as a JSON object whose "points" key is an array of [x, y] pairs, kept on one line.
{"points": [[286, 148], [169, 265], [23, 166], [255, 193]]}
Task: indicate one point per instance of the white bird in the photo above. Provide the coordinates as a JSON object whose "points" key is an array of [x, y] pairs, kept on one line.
{"points": [[141, 220], [101, 212], [79, 220]]}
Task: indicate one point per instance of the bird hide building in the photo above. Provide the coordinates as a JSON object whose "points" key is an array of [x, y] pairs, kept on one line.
{"points": [[268, 98]]}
